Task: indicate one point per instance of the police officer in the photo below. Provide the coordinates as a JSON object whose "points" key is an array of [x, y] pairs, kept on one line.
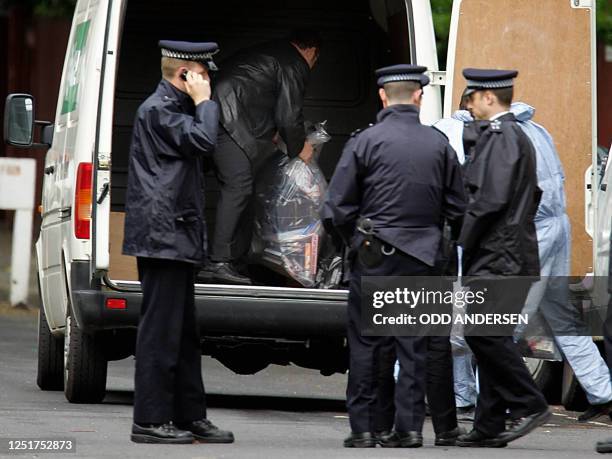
{"points": [[499, 240], [403, 178], [164, 228]]}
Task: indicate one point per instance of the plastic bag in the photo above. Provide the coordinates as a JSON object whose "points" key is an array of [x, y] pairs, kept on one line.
{"points": [[288, 227]]}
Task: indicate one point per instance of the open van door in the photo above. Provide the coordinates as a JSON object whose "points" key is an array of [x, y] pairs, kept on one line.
{"points": [[100, 256], [552, 45]]}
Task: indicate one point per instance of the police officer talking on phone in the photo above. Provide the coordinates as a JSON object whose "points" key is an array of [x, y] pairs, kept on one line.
{"points": [[393, 187], [175, 128]]}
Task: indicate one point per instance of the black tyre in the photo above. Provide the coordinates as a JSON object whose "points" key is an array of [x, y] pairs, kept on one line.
{"points": [[548, 376], [85, 365], [573, 397], [50, 374]]}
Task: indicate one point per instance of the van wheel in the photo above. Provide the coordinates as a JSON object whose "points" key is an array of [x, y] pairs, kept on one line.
{"points": [[572, 394], [85, 365], [548, 376], [50, 374]]}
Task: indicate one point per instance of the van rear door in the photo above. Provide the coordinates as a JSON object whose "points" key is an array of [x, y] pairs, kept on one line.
{"points": [[552, 45], [100, 258]]}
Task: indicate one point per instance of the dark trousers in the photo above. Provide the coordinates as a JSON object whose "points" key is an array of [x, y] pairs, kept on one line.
{"points": [[504, 381], [168, 380], [235, 215], [440, 387], [368, 355]]}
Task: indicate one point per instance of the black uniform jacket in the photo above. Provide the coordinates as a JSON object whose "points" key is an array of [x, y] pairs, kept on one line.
{"points": [[260, 92], [165, 201], [402, 175], [498, 234]]}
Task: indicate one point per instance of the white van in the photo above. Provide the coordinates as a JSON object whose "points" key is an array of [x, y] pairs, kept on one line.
{"points": [[90, 292]]}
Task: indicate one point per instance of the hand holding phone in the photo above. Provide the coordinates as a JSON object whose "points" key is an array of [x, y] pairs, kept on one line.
{"points": [[197, 87]]}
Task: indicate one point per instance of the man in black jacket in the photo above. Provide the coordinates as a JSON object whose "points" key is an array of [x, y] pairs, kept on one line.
{"points": [[164, 228], [499, 241], [404, 179], [260, 92]]}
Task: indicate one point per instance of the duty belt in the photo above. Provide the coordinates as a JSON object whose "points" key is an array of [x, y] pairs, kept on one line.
{"points": [[371, 250]]}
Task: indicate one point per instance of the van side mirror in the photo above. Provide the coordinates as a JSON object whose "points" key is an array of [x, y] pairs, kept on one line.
{"points": [[19, 123], [19, 120]]}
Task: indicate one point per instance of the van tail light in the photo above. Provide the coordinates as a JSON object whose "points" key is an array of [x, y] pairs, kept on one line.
{"points": [[82, 201]]}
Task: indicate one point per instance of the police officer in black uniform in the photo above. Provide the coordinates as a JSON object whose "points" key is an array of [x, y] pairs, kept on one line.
{"points": [[499, 242], [403, 178], [164, 228]]}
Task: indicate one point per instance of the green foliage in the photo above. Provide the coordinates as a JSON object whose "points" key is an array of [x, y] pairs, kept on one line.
{"points": [[441, 10], [604, 21], [54, 8]]}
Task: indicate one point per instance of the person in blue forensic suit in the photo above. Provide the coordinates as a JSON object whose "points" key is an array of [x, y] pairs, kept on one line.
{"points": [[164, 228], [499, 242], [404, 179], [550, 295]]}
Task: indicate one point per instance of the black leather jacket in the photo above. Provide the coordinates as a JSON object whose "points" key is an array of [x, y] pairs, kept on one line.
{"points": [[261, 91]]}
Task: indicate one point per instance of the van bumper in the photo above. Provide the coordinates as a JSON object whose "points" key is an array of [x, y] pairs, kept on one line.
{"points": [[217, 315]]}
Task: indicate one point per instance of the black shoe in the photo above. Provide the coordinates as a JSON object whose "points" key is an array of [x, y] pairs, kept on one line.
{"points": [[595, 411], [205, 431], [225, 273], [165, 433], [411, 439], [388, 439], [466, 413], [522, 426], [604, 446], [360, 440], [449, 438], [475, 439], [382, 434]]}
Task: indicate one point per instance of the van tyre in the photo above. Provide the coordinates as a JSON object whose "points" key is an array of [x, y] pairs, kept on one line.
{"points": [[548, 376], [573, 397], [85, 365], [50, 374]]}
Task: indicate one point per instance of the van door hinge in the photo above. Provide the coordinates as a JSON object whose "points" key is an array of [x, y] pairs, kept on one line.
{"points": [[437, 77], [581, 3], [104, 162]]}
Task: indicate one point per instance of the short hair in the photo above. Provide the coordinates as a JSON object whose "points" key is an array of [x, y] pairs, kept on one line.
{"points": [[171, 64], [401, 90], [504, 95], [305, 38]]}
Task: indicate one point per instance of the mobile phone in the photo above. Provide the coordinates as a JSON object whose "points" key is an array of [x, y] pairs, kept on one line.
{"points": [[184, 75]]}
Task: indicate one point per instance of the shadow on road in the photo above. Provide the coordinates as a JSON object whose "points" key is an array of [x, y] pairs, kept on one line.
{"points": [[247, 402]]}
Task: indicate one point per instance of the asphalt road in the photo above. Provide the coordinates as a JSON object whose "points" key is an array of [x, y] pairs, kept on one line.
{"points": [[282, 412]]}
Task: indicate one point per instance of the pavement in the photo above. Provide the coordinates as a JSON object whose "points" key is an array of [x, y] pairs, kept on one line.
{"points": [[281, 412]]}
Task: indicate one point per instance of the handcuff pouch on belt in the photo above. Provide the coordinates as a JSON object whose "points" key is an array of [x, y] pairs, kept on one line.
{"points": [[371, 249]]}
